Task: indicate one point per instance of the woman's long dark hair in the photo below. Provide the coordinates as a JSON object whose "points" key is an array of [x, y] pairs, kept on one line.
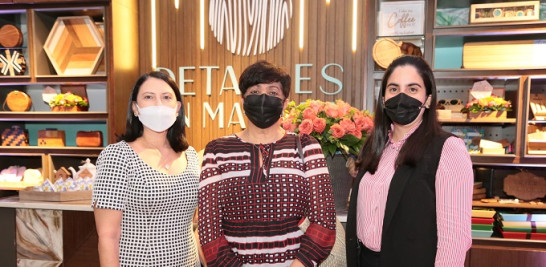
{"points": [[176, 133], [415, 145]]}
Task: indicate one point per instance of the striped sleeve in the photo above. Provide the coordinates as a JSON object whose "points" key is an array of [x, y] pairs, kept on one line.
{"points": [[320, 236], [216, 248], [454, 182]]}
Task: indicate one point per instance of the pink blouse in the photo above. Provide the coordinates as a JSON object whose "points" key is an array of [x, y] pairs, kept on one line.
{"points": [[454, 182]]}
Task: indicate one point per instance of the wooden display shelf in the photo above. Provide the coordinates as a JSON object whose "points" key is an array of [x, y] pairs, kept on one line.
{"points": [[466, 120], [36, 150], [475, 74], [53, 116], [508, 28], [526, 205], [485, 74]]}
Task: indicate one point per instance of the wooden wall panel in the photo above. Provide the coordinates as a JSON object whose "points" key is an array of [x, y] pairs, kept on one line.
{"points": [[327, 39]]}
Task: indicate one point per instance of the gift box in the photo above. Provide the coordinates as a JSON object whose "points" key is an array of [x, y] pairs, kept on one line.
{"points": [[483, 213], [15, 136], [526, 227], [520, 235], [89, 138], [51, 137], [521, 217], [482, 233], [482, 220]]}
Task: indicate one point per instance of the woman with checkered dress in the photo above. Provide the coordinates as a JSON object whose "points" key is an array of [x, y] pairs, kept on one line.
{"points": [[145, 192]]}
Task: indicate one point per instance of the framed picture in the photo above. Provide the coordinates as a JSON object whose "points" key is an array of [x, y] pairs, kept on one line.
{"points": [[401, 18], [505, 12]]}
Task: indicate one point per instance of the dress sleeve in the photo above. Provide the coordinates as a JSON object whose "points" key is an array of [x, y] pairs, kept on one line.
{"points": [[454, 182], [215, 247], [110, 185], [320, 236]]}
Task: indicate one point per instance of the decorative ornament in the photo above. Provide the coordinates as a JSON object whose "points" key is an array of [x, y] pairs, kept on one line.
{"points": [[12, 62]]}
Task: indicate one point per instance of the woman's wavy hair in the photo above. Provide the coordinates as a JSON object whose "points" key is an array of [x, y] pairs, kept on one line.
{"points": [[176, 134], [415, 145]]}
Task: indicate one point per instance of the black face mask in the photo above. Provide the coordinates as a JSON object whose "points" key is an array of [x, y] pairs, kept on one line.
{"points": [[403, 109], [263, 110]]}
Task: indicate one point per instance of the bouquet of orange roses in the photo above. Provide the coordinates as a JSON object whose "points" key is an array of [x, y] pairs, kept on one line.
{"points": [[336, 125]]}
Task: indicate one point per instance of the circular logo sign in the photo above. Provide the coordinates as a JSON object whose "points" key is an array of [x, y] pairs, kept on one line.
{"points": [[249, 26]]}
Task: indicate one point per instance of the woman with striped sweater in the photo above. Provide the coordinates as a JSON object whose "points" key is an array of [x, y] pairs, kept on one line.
{"points": [[255, 186]]}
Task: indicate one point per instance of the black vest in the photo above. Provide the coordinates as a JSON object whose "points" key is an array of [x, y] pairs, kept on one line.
{"points": [[409, 228]]}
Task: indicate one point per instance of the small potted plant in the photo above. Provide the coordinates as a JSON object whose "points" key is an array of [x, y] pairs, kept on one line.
{"points": [[487, 107], [69, 102]]}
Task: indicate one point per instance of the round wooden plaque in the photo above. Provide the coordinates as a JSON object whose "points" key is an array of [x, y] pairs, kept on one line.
{"points": [[385, 50], [18, 101], [10, 36]]}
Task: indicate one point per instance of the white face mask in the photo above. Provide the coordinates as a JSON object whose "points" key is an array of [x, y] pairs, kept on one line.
{"points": [[157, 118]]}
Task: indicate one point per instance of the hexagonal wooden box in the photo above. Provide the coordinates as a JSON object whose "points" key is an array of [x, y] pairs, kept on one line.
{"points": [[74, 46]]}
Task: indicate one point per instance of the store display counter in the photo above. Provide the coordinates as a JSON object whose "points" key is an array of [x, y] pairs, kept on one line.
{"points": [[40, 233]]}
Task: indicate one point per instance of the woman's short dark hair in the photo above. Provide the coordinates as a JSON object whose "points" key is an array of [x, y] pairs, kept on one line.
{"points": [[413, 148], [176, 134], [264, 72]]}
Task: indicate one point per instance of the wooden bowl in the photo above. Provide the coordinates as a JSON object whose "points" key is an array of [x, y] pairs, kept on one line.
{"points": [[74, 46]]}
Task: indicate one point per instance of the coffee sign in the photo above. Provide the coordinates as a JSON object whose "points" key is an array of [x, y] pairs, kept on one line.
{"points": [[401, 18]]}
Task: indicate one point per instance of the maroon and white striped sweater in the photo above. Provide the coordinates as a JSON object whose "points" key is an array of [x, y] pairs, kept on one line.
{"points": [[249, 214]]}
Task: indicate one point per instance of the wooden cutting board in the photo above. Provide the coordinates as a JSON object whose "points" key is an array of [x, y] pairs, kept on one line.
{"points": [[10, 36]]}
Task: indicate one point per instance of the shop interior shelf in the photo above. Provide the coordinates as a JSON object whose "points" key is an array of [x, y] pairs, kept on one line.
{"points": [[526, 205], [493, 120], [54, 116], [492, 29], [61, 151]]}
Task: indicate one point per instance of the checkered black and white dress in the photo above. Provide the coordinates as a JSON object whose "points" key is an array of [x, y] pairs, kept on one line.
{"points": [[156, 226]]}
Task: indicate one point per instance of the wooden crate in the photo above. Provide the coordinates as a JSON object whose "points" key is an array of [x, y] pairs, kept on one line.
{"points": [[74, 46], [520, 54]]}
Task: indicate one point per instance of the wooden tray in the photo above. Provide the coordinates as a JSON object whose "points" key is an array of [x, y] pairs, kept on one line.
{"points": [[74, 46], [55, 196]]}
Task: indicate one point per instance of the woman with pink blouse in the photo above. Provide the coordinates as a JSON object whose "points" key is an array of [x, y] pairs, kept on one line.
{"points": [[411, 203]]}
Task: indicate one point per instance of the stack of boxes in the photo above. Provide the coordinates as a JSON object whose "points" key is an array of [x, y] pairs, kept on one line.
{"points": [[521, 225], [482, 222]]}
